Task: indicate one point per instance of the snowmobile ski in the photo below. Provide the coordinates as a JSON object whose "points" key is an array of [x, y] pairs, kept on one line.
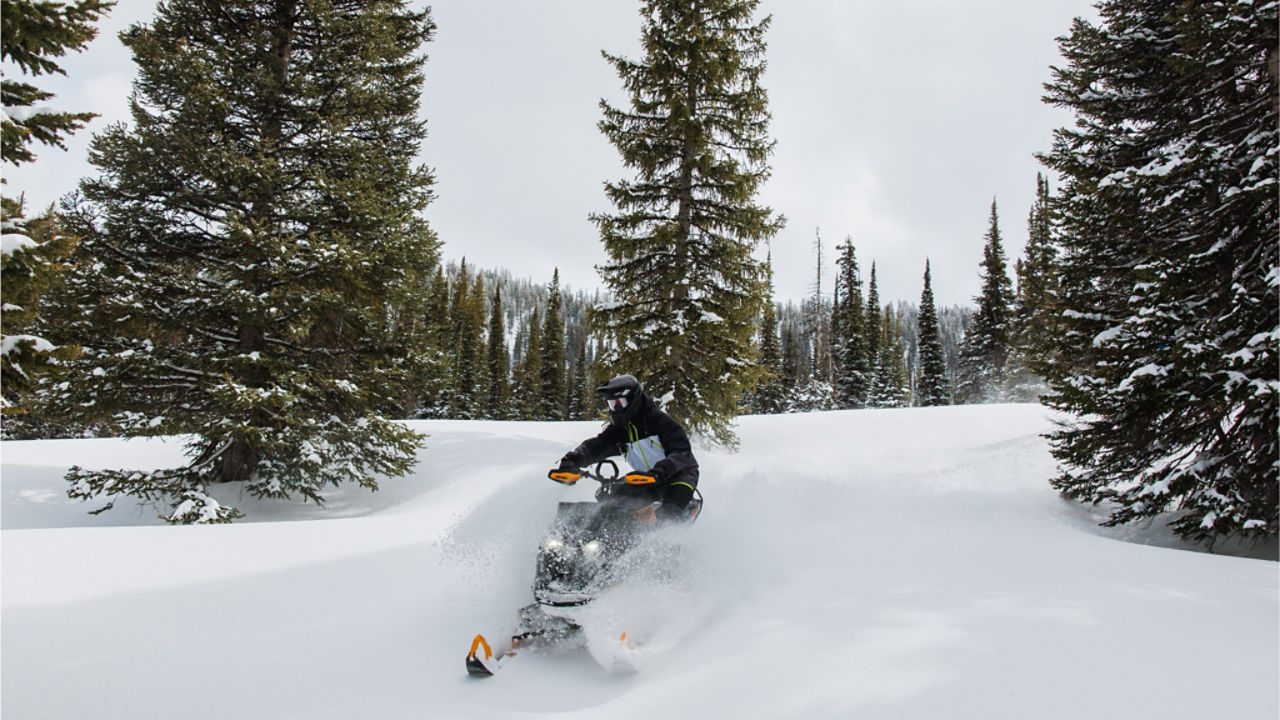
{"points": [[485, 663]]}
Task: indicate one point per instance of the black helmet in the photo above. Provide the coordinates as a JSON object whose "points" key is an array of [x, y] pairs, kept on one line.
{"points": [[621, 395]]}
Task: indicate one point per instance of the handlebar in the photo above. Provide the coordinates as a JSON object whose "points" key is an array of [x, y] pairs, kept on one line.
{"points": [[569, 478]]}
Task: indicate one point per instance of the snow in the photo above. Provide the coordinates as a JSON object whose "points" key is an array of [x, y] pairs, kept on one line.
{"points": [[13, 242], [906, 563]]}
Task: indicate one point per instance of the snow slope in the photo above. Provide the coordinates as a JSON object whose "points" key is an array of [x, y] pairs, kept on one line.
{"points": [[871, 564]]}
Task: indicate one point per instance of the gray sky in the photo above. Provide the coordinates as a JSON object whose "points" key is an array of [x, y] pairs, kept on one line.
{"points": [[896, 124]]}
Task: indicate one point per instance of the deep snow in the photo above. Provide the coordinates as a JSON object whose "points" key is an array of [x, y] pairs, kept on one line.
{"points": [[873, 564]]}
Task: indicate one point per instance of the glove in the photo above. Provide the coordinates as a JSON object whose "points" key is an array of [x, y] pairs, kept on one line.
{"points": [[571, 462]]}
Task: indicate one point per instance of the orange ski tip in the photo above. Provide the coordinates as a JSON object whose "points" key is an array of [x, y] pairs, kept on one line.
{"points": [[639, 479], [478, 643]]}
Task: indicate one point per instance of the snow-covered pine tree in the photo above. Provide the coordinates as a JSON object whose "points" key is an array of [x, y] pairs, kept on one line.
{"points": [[686, 287], [853, 369], [33, 251], [1169, 267], [552, 368], [238, 244], [890, 387], [770, 393], [498, 398], [985, 350], [1035, 317], [932, 385], [872, 323]]}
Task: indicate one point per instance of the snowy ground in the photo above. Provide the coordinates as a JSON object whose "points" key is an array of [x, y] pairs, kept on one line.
{"points": [[872, 564]]}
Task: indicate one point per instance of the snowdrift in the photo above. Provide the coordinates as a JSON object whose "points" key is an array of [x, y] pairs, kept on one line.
{"points": [[874, 564]]}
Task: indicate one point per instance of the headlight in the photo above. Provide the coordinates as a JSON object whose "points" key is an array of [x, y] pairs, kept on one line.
{"points": [[555, 545], [591, 549]]}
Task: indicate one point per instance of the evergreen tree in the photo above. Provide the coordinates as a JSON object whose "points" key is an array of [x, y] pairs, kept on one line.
{"points": [[435, 390], [890, 387], [580, 390], [1168, 227], [853, 373], [35, 34], [498, 399], [238, 244], [1035, 321], [687, 289], [932, 385], [874, 319], [527, 387], [769, 397], [34, 250], [552, 368], [986, 345]]}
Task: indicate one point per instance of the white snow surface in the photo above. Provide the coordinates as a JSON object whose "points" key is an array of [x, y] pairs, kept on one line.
{"points": [[908, 563]]}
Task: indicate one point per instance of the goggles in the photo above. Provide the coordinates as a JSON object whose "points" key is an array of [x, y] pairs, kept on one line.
{"points": [[616, 403]]}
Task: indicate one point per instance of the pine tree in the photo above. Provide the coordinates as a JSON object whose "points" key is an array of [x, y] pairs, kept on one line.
{"points": [[35, 33], [932, 385], [853, 372], [435, 390], [34, 250], [1168, 226], [1035, 321], [528, 381], [986, 344], [687, 289], [874, 320], [552, 366], [890, 387], [238, 243], [770, 394], [580, 387], [498, 399]]}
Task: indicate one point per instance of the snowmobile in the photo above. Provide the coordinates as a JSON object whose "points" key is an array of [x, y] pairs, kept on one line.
{"points": [[582, 554]]}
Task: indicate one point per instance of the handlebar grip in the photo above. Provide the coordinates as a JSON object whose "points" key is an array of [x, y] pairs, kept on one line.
{"points": [[639, 479], [563, 477]]}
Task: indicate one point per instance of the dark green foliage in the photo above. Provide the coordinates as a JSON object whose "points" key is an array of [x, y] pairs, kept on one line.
{"points": [[527, 383], [34, 34], [686, 288], [853, 368], [1036, 320], [986, 344], [1167, 356], [498, 399], [552, 368], [932, 385], [35, 250], [240, 243]]}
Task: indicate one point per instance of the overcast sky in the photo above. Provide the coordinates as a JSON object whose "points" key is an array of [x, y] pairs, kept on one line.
{"points": [[896, 123]]}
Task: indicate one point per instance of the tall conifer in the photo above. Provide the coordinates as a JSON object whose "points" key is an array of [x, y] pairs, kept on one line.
{"points": [[552, 367], [1169, 300], [853, 370], [932, 386], [34, 250], [985, 350], [239, 241], [681, 240], [498, 398]]}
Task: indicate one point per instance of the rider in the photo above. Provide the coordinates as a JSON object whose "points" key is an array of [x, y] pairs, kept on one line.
{"points": [[654, 444]]}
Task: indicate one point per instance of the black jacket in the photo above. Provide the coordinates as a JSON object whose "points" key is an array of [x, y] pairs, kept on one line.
{"points": [[653, 443]]}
